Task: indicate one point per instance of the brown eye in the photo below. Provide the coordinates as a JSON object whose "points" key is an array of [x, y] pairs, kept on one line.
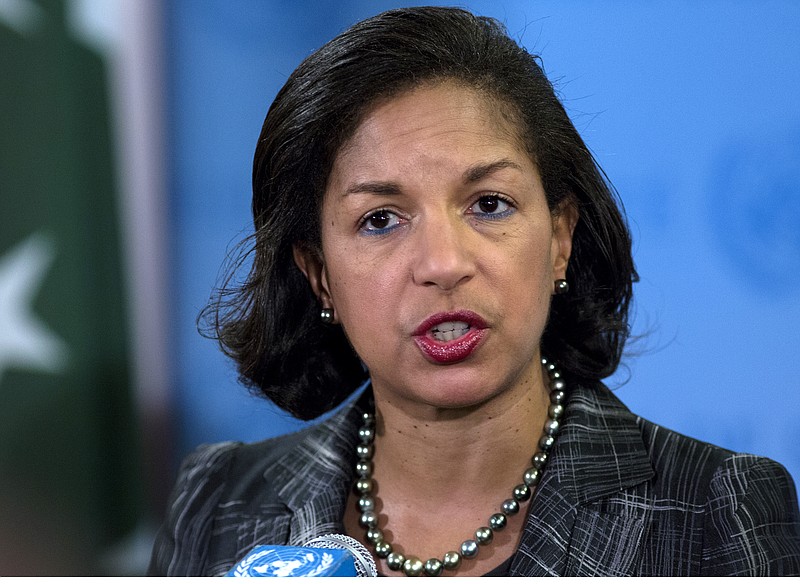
{"points": [[379, 222], [492, 207], [488, 204]]}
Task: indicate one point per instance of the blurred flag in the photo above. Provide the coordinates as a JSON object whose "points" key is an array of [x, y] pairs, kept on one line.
{"points": [[69, 480]]}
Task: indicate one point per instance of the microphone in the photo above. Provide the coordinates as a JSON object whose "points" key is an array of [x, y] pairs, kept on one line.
{"points": [[327, 555]]}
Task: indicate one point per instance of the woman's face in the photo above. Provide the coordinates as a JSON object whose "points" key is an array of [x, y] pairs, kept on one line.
{"points": [[439, 252]]}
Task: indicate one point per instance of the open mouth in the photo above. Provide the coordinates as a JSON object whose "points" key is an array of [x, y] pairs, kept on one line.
{"points": [[450, 337]]}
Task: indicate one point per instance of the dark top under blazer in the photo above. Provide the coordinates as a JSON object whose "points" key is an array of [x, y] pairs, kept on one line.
{"points": [[620, 496]]}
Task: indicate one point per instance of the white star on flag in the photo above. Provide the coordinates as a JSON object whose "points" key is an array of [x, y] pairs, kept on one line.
{"points": [[25, 341]]}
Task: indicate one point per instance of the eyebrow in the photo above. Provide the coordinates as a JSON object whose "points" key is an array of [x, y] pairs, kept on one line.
{"points": [[471, 175], [479, 171], [375, 188]]}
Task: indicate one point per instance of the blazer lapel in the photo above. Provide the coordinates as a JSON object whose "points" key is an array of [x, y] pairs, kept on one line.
{"points": [[599, 454], [313, 480], [317, 477]]}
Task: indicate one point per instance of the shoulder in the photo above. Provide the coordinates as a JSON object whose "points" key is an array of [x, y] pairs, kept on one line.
{"points": [[748, 503], [681, 459], [681, 506], [203, 483], [230, 469], [220, 485], [200, 481], [753, 522]]}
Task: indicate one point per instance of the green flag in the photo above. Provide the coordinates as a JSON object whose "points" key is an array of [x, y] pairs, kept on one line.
{"points": [[69, 474]]}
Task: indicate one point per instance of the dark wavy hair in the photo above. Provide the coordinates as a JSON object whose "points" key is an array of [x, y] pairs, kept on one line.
{"points": [[270, 324]]}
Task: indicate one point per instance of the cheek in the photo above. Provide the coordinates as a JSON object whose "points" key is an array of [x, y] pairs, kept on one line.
{"points": [[531, 261], [528, 279], [363, 292], [366, 310]]}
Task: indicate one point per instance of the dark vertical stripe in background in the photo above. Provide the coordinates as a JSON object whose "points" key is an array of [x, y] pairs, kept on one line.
{"points": [[69, 467]]}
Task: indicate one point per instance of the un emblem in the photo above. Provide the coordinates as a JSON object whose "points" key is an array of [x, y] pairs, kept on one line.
{"points": [[755, 212], [282, 562]]}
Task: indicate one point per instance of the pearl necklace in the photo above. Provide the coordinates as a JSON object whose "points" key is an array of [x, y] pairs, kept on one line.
{"points": [[412, 565]]}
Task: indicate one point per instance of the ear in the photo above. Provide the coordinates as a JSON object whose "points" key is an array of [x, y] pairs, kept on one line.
{"points": [[312, 265], [565, 219]]}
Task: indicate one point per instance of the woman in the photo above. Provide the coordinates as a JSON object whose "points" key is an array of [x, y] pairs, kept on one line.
{"points": [[427, 218]]}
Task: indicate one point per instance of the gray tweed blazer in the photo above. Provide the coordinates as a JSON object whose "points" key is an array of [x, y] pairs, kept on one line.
{"points": [[620, 496]]}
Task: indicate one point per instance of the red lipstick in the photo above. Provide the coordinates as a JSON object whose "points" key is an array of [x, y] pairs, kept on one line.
{"points": [[450, 337]]}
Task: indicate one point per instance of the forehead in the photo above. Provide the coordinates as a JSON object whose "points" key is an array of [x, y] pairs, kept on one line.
{"points": [[429, 120]]}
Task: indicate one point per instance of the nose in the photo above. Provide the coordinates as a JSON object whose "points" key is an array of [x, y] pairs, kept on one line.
{"points": [[442, 254]]}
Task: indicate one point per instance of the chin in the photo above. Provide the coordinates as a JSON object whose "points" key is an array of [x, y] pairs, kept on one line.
{"points": [[455, 396]]}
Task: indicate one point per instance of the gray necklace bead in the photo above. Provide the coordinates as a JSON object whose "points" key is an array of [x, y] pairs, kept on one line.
{"points": [[412, 565]]}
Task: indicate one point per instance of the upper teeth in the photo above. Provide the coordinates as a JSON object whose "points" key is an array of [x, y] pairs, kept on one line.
{"points": [[447, 331]]}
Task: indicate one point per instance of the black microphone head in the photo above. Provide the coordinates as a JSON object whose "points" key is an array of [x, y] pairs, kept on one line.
{"points": [[365, 565]]}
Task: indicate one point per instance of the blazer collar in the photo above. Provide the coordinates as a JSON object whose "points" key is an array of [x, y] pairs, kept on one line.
{"points": [[598, 453], [600, 450], [315, 477]]}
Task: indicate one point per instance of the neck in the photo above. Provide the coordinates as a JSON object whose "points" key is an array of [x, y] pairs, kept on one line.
{"points": [[442, 453]]}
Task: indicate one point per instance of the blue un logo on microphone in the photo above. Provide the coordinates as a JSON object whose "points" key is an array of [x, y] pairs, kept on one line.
{"points": [[286, 561]]}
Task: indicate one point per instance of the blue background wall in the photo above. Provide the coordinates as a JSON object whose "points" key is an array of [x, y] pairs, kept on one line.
{"points": [[693, 109]]}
